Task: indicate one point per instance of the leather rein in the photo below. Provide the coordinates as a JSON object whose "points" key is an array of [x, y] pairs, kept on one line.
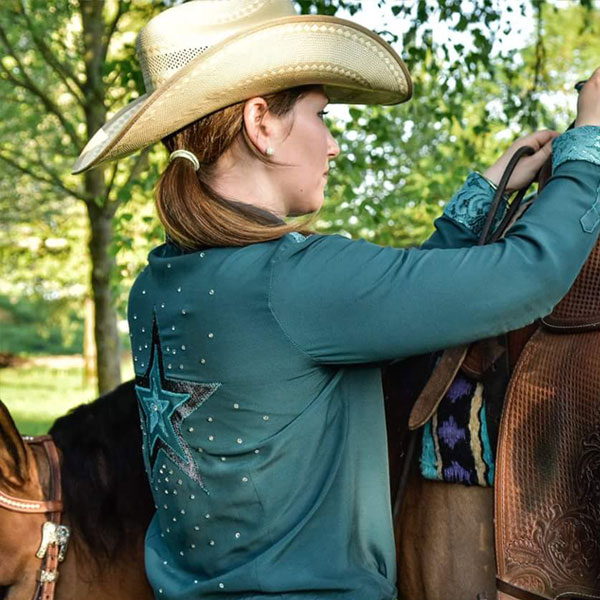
{"points": [[55, 536]]}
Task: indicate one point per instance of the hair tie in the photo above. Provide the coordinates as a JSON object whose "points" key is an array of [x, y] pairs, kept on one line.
{"points": [[185, 154]]}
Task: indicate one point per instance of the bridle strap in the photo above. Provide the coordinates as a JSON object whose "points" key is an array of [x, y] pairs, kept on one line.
{"points": [[54, 535], [52, 506]]}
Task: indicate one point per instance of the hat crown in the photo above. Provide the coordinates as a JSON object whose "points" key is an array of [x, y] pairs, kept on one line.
{"points": [[176, 36]]}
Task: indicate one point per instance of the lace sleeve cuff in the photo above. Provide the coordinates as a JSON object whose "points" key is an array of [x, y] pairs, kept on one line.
{"points": [[580, 143], [471, 204]]}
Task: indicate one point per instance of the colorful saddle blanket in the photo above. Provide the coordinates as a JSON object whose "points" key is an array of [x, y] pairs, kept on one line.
{"points": [[455, 444]]}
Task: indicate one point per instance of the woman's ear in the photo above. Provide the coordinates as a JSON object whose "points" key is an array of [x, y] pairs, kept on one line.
{"points": [[259, 123]]}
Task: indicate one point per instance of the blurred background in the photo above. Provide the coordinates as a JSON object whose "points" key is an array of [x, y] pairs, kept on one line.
{"points": [[485, 72]]}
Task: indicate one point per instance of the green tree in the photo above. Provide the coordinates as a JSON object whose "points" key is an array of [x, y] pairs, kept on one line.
{"points": [[65, 66]]}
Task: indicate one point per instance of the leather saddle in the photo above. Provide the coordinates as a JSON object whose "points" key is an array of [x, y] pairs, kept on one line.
{"points": [[547, 492]]}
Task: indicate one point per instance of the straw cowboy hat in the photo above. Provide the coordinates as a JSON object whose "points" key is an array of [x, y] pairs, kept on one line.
{"points": [[204, 55]]}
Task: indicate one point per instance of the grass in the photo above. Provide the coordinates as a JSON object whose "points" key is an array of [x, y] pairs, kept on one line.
{"points": [[36, 394]]}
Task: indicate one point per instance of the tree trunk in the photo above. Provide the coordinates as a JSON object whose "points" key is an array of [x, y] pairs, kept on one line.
{"points": [[100, 211], [108, 361], [89, 343]]}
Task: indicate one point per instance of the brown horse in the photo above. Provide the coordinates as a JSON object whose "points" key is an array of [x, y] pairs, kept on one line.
{"points": [[107, 503]]}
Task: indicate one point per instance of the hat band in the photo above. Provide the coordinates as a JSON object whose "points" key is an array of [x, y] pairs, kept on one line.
{"points": [[187, 155]]}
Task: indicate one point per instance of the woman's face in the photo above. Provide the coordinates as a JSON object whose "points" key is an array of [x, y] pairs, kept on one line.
{"points": [[307, 148]]}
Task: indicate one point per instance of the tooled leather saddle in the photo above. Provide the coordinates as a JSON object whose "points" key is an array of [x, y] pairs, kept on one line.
{"points": [[547, 491]]}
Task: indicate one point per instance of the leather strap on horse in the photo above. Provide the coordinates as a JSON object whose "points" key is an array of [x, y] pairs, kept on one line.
{"points": [[516, 592], [54, 535], [452, 359]]}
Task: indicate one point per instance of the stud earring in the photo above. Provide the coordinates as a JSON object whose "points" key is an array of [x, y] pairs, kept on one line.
{"points": [[269, 151]]}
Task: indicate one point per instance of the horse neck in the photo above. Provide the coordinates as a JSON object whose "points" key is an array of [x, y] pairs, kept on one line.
{"points": [[81, 576]]}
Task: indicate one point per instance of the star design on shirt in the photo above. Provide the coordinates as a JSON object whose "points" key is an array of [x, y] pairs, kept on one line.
{"points": [[164, 405]]}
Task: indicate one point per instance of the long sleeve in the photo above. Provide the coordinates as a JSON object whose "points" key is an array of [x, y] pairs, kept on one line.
{"points": [[463, 218], [343, 301]]}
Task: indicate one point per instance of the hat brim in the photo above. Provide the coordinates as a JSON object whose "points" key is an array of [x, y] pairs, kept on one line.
{"points": [[354, 65]]}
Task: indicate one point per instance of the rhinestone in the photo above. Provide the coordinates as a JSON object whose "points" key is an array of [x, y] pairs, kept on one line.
{"points": [[202, 254], [178, 289], [165, 562], [183, 311], [192, 546], [174, 519], [135, 359], [201, 450], [168, 530], [211, 335], [209, 419], [170, 471], [221, 585], [197, 527], [192, 497], [211, 438], [174, 492], [162, 304], [223, 459], [145, 345], [173, 328], [239, 440], [211, 543], [169, 366], [195, 581], [245, 479], [202, 361], [182, 511], [181, 553], [179, 482], [236, 406], [166, 491], [257, 451], [207, 516], [167, 479], [144, 331], [143, 365], [134, 317], [173, 351], [140, 348], [160, 590], [183, 347], [191, 429], [181, 367], [166, 507], [266, 418], [162, 535], [211, 292], [238, 535], [143, 291], [168, 265], [168, 349]]}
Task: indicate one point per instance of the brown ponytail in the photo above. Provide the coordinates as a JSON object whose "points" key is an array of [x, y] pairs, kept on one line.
{"points": [[192, 213]]}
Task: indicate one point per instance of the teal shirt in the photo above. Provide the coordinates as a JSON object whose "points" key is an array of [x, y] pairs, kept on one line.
{"points": [[260, 395]]}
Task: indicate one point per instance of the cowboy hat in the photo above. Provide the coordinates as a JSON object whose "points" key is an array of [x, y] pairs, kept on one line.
{"points": [[203, 55]]}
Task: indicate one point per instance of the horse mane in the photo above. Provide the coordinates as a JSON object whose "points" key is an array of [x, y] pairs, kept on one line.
{"points": [[105, 489]]}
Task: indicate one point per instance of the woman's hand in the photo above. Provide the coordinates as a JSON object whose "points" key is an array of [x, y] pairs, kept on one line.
{"points": [[588, 105], [528, 166]]}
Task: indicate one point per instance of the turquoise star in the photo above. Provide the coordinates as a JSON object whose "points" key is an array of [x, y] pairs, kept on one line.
{"points": [[165, 404], [158, 406]]}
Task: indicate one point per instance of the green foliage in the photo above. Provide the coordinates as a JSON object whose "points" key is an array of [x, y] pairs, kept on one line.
{"points": [[39, 326], [398, 166]]}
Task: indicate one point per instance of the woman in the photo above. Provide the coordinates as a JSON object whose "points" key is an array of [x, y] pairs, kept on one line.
{"points": [[256, 345]]}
